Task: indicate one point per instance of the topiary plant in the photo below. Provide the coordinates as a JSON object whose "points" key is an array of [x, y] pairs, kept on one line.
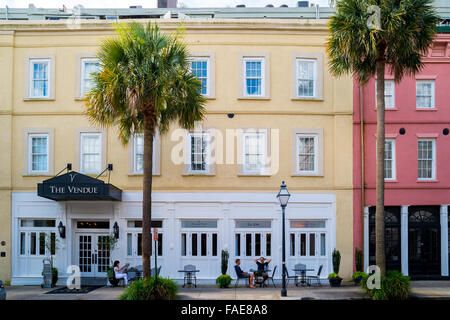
{"points": [[336, 261], [223, 281], [224, 266], [358, 259]]}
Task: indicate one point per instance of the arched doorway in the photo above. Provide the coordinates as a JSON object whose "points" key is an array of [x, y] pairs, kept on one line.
{"points": [[424, 241]]}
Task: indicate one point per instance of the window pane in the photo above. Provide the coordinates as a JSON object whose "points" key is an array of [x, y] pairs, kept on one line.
{"points": [[204, 244], [39, 79], [183, 244], [237, 242], [254, 152], [248, 244], [33, 243], [22, 243], [322, 244], [425, 159], [39, 153], [214, 244], [199, 145], [199, 68], [52, 243], [389, 159], [268, 244], [160, 244], [91, 152], [253, 78], [306, 153], [305, 78], [312, 244], [257, 244], [292, 238], [194, 244], [42, 243], [129, 244], [424, 94], [303, 244], [139, 245]]}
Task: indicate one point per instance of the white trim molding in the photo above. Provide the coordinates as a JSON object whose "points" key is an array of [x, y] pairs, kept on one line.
{"points": [[444, 240], [404, 240]]}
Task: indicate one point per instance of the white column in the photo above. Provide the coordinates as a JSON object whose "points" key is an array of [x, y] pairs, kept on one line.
{"points": [[404, 239], [444, 240], [366, 238]]}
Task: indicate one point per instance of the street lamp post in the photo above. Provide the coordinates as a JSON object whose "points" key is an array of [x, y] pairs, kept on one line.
{"points": [[283, 196]]}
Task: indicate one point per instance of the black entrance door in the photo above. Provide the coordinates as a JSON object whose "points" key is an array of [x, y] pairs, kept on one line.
{"points": [[424, 237]]}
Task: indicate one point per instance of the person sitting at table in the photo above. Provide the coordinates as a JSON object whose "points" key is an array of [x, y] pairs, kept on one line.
{"points": [[242, 274], [262, 264], [119, 272]]}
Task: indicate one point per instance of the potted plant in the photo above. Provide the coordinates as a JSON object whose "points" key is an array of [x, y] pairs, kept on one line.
{"points": [[51, 245], [357, 277], [224, 280], [224, 265], [333, 278]]}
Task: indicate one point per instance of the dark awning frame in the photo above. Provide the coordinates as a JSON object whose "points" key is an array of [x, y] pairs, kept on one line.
{"points": [[77, 186]]}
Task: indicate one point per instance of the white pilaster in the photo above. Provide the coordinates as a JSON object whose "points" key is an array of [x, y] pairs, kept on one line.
{"points": [[444, 240], [404, 239], [366, 238]]}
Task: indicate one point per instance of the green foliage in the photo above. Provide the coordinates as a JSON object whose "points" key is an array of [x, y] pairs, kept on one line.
{"points": [[333, 275], [358, 259], [336, 260], [223, 281], [224, 266], [358, 274], [407, 30], [166, 289], [110, 273], [394, 286]]}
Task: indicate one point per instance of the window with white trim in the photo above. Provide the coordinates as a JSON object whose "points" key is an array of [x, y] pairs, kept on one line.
{"points": [[91, 152], [307, 153], [38, 153], [39, 78], [37, 237], [424, 94], [306, 78], [426, 156], [254, 152], [389, 159], [88, 67], [200, 67], [198, 144], [139, 153], [389, 94], [254, 81]]}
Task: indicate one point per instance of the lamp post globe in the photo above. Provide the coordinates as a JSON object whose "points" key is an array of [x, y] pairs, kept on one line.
{"points": [[283, 197]]}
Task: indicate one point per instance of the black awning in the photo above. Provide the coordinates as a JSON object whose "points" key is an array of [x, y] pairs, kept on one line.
{"points": [[77, 186]]}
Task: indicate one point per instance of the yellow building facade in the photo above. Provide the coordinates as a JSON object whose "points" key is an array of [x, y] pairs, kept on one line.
{"points": [[274, 113]]}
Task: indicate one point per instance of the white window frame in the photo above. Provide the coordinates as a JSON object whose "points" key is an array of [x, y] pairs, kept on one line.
{"points": [[34, 61], [392, 82], [393, 160], [99, 135], [297, 61], [316, 153], [263, 145], [432, 94], [207, 152], [208, 72], [433, 168], [83, 77], [244, 73], [30, 154], [136, 136]]}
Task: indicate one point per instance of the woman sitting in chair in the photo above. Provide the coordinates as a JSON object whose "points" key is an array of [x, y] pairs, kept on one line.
{"points": [[118, 272]]}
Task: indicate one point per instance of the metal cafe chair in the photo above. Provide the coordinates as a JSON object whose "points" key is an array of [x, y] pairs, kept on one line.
{"points": [[271, 277], [239, 278], [288, 277], [189, 275], [299, 271], [316, 277]]}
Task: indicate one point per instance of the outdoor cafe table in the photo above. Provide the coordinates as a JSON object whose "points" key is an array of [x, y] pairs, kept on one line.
{"points": [[189, 276], [263, 282], [303, 276]]}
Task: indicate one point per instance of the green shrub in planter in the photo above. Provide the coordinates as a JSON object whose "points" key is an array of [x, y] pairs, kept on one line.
{"points": [[334, 279], [166, 289], [394, 286], [359, 259], [223, 281], [358, 276]]}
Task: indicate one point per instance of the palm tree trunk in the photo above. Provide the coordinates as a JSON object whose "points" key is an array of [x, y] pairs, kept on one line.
{"points": [[147, 195], [380, 253]]}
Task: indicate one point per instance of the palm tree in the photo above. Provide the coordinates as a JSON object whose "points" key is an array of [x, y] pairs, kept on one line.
{"points": [[144, 84], [397, 39]]}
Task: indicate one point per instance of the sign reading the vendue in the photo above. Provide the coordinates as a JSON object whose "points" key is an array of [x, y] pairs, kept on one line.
{"points": [[77, 186]]}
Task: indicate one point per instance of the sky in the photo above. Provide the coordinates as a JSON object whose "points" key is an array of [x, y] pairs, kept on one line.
{"points": [[148, 3]]}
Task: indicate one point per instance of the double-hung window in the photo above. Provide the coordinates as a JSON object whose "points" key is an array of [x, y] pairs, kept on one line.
{"points": [[254, 152], [91, 152], [88, 67], [199, 152], [426, 156], [254, 80], [389, 159], [389, 94], [200, 67], [38, 153], [307, 154], [139, 154], [424, 94], [39, 78], [306, 78]]}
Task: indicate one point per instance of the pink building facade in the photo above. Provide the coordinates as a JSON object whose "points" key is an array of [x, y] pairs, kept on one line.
{"points": [[417, 161]]}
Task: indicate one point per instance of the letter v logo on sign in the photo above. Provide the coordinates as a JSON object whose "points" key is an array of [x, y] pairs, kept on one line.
{"points": [[72, 177]]}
